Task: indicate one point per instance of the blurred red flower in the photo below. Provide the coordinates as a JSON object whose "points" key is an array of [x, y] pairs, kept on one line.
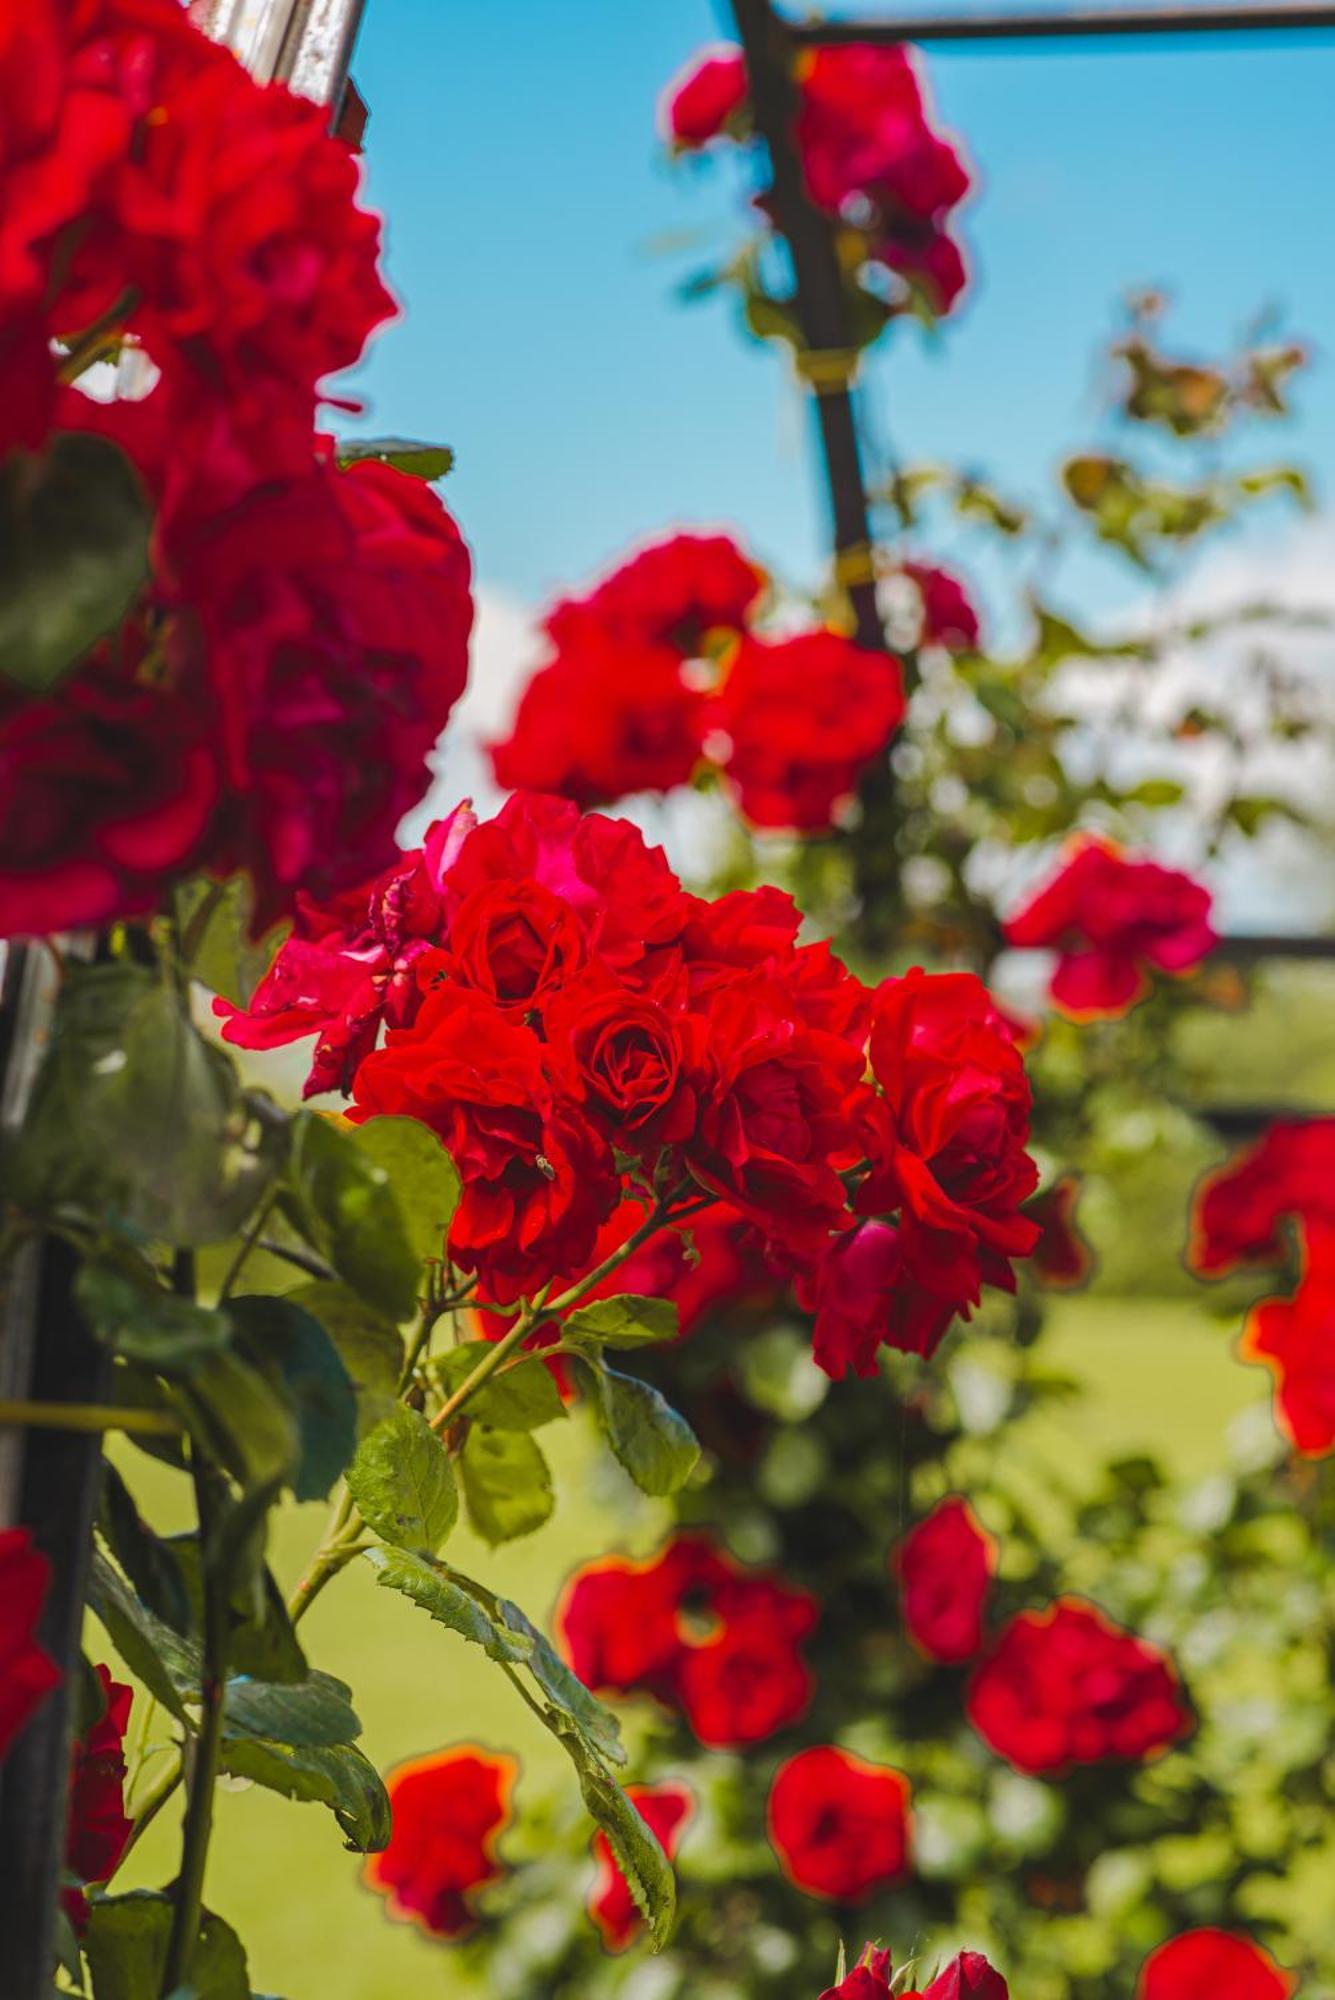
{"points": [[1212, 1965], [1295, 1339], [948, 617], [945, 1565], [448, 1811], [27, 1672], [1067, 1685], [666, 1810], [968, 1977], [1109, 917], [98, 1827], [1240, 1208], [700, 104], [796, 722], [1061, 1259], [839, 1825]]}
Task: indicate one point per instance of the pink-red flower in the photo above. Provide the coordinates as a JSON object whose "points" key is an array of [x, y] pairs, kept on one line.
{"points": [[1212, 1965], [99, 1830], [948, 617], [27, 1672], [796, 722], [839, 1825], [945, 1565], [706, 99], [1112, 920], [666, 1810], [1068, 1685], [449, 1810]]}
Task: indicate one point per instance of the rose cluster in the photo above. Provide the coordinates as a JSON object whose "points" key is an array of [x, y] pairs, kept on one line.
{"points": [[716, 1641], [588, 1039], [1055, 1687], [268, 699], [1240, 1218], [869, 154], [967, 1977], [660, 671], [1112, 920]]}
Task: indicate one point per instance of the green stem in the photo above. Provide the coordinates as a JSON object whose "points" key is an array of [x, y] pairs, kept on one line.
{"points": [[87, 1417], [246, 1245], [341, 1540], [94, 341], [169, 1778], [532, 1316], [197, 1826], [305, 1260]]}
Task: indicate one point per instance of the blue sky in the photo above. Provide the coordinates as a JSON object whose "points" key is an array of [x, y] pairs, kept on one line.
{"points": [[512, 150]]}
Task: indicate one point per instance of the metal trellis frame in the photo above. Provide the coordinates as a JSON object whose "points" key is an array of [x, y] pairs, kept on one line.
{"points": [[772, 44]]}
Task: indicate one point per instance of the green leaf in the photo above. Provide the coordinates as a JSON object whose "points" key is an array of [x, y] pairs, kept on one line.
{"points": [[289, 1347], [314, 1713], [334, 1775], [243, 1420], [74, 528], [147, 1323], [423, 461], [507, 1483], [126, 1946], [563, 1688], [403, 1483], [136, 1119], [657, 1447], [167, 1664], [424, 1178], [628, 1321], [260, 1641], [342, 1201], [1156, 792], [434, 1589], [151, 1564], [369, 1345], [521, 1397], [215, 922], [639, 1855]]}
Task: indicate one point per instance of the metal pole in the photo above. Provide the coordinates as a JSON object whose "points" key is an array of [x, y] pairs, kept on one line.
{"points": [[1282, 16]]}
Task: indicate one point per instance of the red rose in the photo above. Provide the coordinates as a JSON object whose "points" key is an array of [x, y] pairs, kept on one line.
{"points": [[945, 1565], [1292, 1337], [352, 964], [692, 1626], [107, 791], [605, 718], [934, 264], [1069, 1686], [1109, 917], [968, 1977], [27, 1672], [946, 1140], [637, 1065], [839, 1825], [628, 899], [703, 101], [747, 1680], [537, 1177], [674, 593], [335, 613], [448, 1810], [666, 1810], [1212, 1965], [948, 618], [99, 1831], [798, 720], [869, 1979], [860, 1296], [514, 942], [774, 1128], [1239, 1209]]}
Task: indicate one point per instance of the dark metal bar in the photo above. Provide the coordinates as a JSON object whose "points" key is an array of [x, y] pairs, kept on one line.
{"points": [[822, 310], [1256, 948], [1083, 23]]}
